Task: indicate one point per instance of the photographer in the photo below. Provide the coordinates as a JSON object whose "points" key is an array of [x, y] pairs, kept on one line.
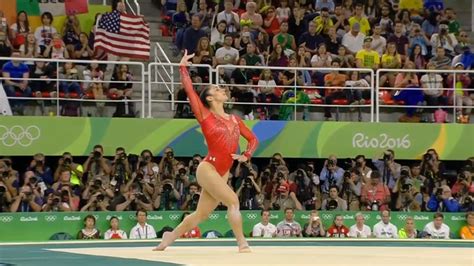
{"points": [[192, 167], [444, 39], [334, 202], [352, 188], [463, 183], [97, 186], [388, 168], [97, 202], [275, 161], [442, 201], [192, 197], [121, 170], [181, 182], [147, 167], [248, 192], [166, 198], [66, 162], [360, 164], [282, 197], [96, 165], [168, 164], [375, 195], [54, 203], [9, 177], [40, 169], [419, 180], [432, 167], [242, 170], [406, 193], [331, 175], [26, 201], [133, 199], [314, 227], [5, 196], [35, 183]]}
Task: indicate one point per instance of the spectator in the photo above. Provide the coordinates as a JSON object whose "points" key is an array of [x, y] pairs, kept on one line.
{"points": [[40, 169], [114, 231], [409, 231], [453, 25], [341, 22], [286, 40], [248, 192], [407, 192], [331, 175], [436, 229], [96, 165], [386, 21], [283, 198], [120, 82], [379, 43], [391, 59], [352, 188], [463, 40], [338, 229], [417, 37], [467, 231], [311, 39], [462, 100], [385, 229], [332, 42], [322, 59], [71, 33], [20, 29], [5, 47], [360, 89], [12, 72], [367, 57], [5, 195], [375, 195], [56, 48], [46, 73], [206, 15], [329, 4], [44, 33], [347, 60], [354, 39], [218, 35], [440, 60], [82, 50], [314, 227], [54, 203], [444, 39], [278, 57], [142, 230], [9, 177], [190, 37], [271, 24], [283, 12], [266, 88], [241, 42], [192, 197], [168, 196], [26, 201], [323, 22], [465, 57], [359, 229], [89, 231], [334, 82], [442, 201], [388, 168], [193, 233], [432, 84], [334, 202], [360, 19], [400, 40], [264, 228], [69, 72], [417, 58], [230, 17], [251, 17], [168, 164], [463, 183], [227, 55], [289, 227], [361, 165]]}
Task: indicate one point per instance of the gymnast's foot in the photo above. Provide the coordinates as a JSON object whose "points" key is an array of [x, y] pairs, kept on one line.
{"points": [[166, 240], [244, 247]]}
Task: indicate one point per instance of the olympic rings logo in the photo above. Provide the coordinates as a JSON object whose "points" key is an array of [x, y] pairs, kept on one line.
{"points": [[6, 219], [19, 135], [174, 217], [366, 216], [50, 218], [213, 216], [327, 216], [402, 217], [251, 216]]}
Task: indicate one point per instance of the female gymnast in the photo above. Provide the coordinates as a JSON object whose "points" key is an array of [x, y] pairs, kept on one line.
{"points": [[221, 132]]}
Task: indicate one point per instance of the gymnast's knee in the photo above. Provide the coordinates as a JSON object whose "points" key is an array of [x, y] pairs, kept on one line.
{"points": [[201, 215], [233, 204]]}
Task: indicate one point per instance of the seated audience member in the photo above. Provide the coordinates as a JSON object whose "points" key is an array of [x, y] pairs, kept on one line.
{"points": [[114, 231], [360, 229], [314, 227], [384, 228], [264, 228], [334, 202], [467, 231], [436, 229], [12, 70], [142, 230], [409, 231], [289, 227], [89, 231], [338, 229]]}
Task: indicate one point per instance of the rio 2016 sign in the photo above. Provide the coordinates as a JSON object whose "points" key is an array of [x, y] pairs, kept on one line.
{"points": [[383, 141]]}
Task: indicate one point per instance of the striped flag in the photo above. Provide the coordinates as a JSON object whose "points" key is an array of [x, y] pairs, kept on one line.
{"points": [[123, 35]]}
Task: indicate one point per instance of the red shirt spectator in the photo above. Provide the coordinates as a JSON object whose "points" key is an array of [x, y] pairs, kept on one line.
{"points": [[338, 229]]}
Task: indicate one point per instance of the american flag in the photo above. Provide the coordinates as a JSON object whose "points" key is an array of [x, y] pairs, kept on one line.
{"points": [[123, 35]]}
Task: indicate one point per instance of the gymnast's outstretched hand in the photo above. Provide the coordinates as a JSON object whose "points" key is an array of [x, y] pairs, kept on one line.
{"points": [[240, 158], [185, 59]]}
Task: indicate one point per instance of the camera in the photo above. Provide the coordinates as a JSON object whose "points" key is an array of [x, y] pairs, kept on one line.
{"points": [[142, 164], [404, 173], [276, 206], [100, 198], [167, 188], [122, 157], [56, 201], [97, 183], [405, 188], [39, 163], [387, 156], [331, 205], [279, 175], [196, 197], [2, 190], [347, 174], [33, 180], [170, 155], [443, 31], [374, 206], [358, 164], [139, 177], [248, 181], [331, 163], [5, 174], [182, 171], [67, 161], [64, 194], [195, 162], [97, 155], [462, 176], [427, 157]]}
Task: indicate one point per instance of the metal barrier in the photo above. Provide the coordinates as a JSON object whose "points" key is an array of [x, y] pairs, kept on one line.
{"points": [[397, 104], [137, 5], [57, 97]]}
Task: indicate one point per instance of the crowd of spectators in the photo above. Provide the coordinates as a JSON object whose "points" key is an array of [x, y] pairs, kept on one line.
{"points": [[387, 34], [81, 80]]}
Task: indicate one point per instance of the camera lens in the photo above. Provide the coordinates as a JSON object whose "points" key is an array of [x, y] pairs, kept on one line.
{"points": [[97, 155], [167, 188], [2, 190]]}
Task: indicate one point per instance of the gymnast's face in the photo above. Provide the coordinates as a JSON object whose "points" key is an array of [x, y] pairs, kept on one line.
{"points": [[217, 94]]}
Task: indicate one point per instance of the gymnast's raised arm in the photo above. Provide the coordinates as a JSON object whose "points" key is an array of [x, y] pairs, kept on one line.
{"points": [[199, 110]]}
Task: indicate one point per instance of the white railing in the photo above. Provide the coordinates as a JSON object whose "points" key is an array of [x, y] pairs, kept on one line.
{"points": [[160, 73], [137, 10], [455, 106], [58, 64]]}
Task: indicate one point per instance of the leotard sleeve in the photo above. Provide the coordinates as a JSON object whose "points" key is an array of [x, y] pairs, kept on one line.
{"points": [[199, 110], [250, 137]]}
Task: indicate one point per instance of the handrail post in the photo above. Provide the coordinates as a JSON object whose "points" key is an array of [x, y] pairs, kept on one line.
{"points": [[372, 91], [454, 98], [142, 67], [295, 84], [377, 98], [57, 89]]}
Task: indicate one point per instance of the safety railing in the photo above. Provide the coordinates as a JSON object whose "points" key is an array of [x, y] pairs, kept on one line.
{"points": [[58, 95], [134, 9], [207, 75], [160, 72], [386, 96]]}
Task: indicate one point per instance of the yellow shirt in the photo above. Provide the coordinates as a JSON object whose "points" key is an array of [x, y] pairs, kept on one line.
{"points": [[369, 58], [467, 232], [410, 4], [364, 24], [389, 59]]}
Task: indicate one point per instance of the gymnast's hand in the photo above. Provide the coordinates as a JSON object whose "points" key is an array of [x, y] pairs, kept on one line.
{"points": [[240, 158], [185, 59]]}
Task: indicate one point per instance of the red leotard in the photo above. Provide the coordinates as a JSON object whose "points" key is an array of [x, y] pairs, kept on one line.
{"points": [[221, 134]]}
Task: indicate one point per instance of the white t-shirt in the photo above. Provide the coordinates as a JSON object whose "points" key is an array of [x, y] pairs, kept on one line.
{"points": [[441, 233], [382, 230], [120, 233], [260, 230], [364, 233], [354, 44], [432, 84], [145, 232], [44, 35], [379, 44], [230, 55]]}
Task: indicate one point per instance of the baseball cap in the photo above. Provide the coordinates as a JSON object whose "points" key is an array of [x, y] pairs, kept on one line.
{"points": [[285, 187], [443, 26], [459, 64], [367, 39]]}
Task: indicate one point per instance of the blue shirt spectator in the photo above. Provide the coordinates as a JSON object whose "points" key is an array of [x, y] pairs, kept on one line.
{"points": [[329, 4], [191, 36], [442, 201], [389, 169], [331, 175], [11, 70]]}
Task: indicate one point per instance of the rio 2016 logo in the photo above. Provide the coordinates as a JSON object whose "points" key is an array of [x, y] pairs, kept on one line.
{"points": [[382, 141]]}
